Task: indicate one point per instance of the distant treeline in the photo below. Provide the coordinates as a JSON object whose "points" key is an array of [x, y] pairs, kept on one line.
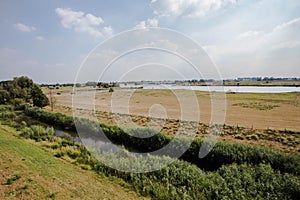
{"points": [[266, 79], [242, 79], [117, 84], [89, 83]]}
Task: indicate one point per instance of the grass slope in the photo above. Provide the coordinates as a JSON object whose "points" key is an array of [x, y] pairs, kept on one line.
{"points": [[28, 172]]}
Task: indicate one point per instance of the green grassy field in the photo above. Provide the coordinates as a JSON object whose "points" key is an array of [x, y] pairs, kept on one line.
{"points": [[29, 172], [36, 164]]}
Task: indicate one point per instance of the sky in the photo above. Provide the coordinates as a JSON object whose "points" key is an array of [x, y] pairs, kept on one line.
{"points": [[48, 41]]}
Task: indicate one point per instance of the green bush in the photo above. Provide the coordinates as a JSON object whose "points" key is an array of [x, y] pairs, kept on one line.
{"points": [[260, 181], [111, 90], [6, 115], [233, 179], [57, 119], [6, 108], [37, 133], [12, 179], [22, 90], [222, 153], [182, 180], [21, 106]]}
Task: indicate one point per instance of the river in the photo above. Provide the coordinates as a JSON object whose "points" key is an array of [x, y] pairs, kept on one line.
{"points": [[241, 89], [236, 89]]}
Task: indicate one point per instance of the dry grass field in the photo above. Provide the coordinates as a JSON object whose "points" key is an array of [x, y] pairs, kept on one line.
{"points": [[162, 109], [252, 110]]}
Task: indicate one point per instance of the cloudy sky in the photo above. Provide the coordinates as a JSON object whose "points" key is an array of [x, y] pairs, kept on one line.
{"points": [[48, 40]]}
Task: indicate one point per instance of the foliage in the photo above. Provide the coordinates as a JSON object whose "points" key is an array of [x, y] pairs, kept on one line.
{"points": [[260, 182], [7, 115], [257, 105], [285, 137], [38, 98], [222, 153], [12, 179], [58, 119], [37, 133], [6, 112], [4, 96], [6, 108], [107, 85], [182, 180], [21, 90]]}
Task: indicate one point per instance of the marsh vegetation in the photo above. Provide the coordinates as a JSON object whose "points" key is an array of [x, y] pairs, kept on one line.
{"points": [[242, 164]]}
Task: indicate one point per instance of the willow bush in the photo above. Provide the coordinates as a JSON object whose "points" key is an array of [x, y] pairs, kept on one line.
{"points": [[180, 179], [223, 153], [38, 133]]}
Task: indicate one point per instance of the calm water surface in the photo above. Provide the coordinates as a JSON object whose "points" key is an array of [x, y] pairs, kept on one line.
{"points": [[243, 89]]}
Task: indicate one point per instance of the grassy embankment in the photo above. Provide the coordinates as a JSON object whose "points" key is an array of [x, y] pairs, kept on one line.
{"points": [[29, 172], [255, 175]]}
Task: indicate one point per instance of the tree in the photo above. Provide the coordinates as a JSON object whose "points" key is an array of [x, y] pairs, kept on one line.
{"points": [[4, 96], [39, 99], [91, 83], [111, 90], [22, 90], [52, 99]]}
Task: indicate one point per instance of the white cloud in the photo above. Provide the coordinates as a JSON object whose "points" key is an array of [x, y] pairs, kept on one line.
{"points": [[284, 35], [257, 51], [141, 25], [107, 30], [286, 45], [294, 22], [161, 44], [81, 22], [190, 8], [24, 28], [149, 23], [40, 38], [153, 22], [249, 34]]}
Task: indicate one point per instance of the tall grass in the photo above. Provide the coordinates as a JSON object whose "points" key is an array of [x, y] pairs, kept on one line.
{"points": [[38, 133], [222, 153], [182, 180]]}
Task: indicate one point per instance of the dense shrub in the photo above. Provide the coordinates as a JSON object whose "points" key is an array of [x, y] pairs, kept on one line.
{"points": [[57, 119], [22, 90], [222, 153], [38, 133], [6, 115], [180, 179], [227, 153], [6, 108]]}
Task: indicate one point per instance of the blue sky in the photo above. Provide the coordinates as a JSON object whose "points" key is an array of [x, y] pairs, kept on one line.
{"points": [[48, 40]]}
